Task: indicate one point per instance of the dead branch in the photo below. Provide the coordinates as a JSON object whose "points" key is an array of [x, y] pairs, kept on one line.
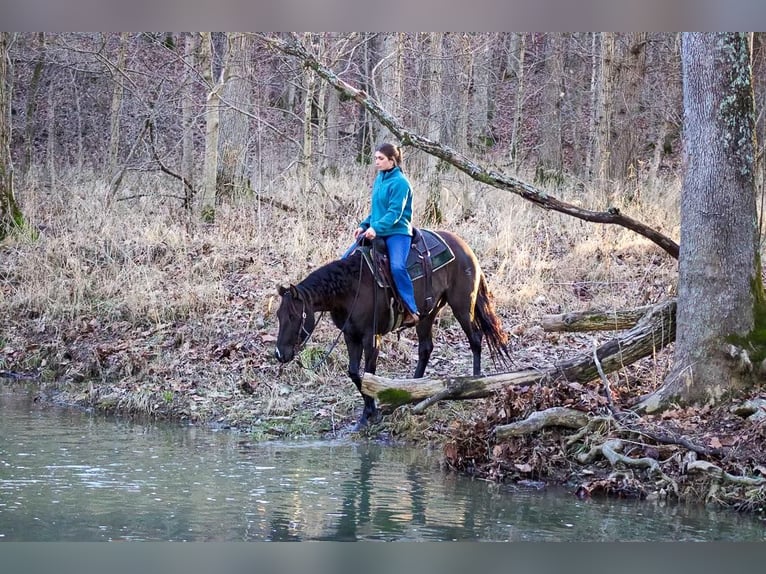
{"points": [[295, 48], [595, 320], [653, 332], [555, 416]]}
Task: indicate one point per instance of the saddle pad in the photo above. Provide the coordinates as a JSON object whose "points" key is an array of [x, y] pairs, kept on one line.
{"points": [[441, 255]]}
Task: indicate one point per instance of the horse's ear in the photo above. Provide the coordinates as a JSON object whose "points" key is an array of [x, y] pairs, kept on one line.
{"points": [[282, 290], [294, 292]]}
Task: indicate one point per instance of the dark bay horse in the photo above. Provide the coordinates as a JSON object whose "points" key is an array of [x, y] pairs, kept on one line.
{"points": [[345, 289]]}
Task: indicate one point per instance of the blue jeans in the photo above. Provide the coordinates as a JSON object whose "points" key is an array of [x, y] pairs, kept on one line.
{"points": [[398, 249]]}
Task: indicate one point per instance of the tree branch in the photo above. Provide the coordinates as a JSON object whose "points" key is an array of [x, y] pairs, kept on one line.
{"points": [[295, 48]]}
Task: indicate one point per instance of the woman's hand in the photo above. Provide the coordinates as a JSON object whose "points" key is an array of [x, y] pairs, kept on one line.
{"points": [[370, 233]]}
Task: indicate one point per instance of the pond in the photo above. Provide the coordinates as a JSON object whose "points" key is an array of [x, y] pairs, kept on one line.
{"points": [[69, 475]]}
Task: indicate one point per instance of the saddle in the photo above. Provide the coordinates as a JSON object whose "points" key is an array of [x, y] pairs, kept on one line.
{"points": [[428, 253]]}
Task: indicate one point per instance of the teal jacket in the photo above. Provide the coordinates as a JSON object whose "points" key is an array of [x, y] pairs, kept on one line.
{"points": [[391, 209]]}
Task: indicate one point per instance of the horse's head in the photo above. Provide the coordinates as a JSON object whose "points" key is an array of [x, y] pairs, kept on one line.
{"points": [[296, 322]]}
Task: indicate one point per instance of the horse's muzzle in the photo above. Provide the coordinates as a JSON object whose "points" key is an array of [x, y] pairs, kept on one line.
{"points": [[282, 357]]}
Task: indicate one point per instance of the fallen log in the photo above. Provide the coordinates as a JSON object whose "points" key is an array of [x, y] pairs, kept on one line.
{"points": [[595, 320], [653, 332]]}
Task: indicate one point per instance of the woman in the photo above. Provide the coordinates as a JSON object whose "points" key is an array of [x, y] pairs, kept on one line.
{"points": [[391, 218]]}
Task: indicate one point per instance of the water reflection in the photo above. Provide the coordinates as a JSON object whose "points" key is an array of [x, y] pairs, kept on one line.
{"points": [[68, 475]]}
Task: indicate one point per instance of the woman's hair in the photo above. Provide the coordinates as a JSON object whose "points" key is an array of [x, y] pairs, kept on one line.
{"points": [[392, 152]]}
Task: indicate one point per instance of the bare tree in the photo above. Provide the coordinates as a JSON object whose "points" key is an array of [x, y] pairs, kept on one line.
{"points": [[720, 291], [187, 116], [10, 214], [433, 86], [116, 107], [214, 77], [234, 132]]}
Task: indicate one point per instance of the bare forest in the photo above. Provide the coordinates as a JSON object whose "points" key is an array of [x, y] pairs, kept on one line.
{"points": [[165, 184]]}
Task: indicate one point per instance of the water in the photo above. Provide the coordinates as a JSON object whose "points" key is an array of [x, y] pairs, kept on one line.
{"points": [[71, 476]]}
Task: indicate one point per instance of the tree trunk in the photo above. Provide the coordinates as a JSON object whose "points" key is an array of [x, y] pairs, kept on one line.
{"points": [[32, 95], [212, 123], [234, 132], [550, 163], [10, 214], [116, 107], [516, 133], [432, 213], [331, 119], [187, 119], [390, 87], [605, 111], [627, 133], [479, 135], [719, 284]]}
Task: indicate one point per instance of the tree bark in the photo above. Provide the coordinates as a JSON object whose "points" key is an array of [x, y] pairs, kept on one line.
{"points": [[595, 320], [487, 176], [432, 212], [550, 163], [32, 95], [653, 332], [215, 83], [10, 214], [516, 133], [116, 107], [187, 119], [234, 132], [719, 284]]}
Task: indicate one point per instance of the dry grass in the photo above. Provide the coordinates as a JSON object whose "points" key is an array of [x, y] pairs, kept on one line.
{"points": [[144, 263]]}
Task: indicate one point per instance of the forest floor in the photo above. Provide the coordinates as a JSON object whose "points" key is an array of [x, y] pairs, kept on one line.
{"points": [[131, 310]]}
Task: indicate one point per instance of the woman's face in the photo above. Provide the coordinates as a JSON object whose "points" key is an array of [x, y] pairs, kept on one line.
{"points": [[382, 163]]}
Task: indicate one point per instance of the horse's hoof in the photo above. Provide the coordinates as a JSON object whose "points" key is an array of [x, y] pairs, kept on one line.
{"points": [[359, 426]]}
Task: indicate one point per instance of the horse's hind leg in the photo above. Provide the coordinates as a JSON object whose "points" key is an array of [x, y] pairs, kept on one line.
{"points": [[463, 315], [424, 330]]}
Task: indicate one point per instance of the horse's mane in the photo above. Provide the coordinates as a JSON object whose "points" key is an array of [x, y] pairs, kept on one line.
{"points": [[332, 279]]}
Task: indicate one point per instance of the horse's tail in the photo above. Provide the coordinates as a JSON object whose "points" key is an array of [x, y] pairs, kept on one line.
{"points": [[485, 318]]}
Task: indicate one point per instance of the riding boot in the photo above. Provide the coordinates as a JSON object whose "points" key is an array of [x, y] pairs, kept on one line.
{"points": [[410, 319]]}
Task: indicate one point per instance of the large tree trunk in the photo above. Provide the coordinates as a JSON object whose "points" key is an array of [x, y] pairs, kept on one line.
{"points": [[10, 214], [719, 283]]}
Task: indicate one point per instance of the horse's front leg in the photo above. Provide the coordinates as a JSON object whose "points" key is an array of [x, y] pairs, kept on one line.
{"points": [[355, 346], [371, 349]]}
